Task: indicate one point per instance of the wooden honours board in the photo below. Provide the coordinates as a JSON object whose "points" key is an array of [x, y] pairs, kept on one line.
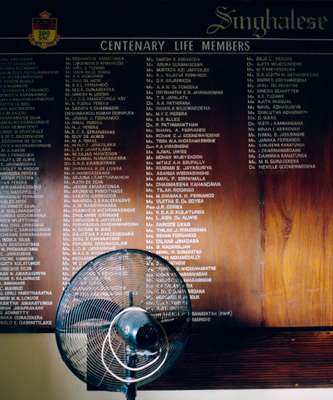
{"points": [[201, 133]]}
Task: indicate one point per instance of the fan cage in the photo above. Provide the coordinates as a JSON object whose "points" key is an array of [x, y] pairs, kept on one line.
{"points": [[97, 293]]}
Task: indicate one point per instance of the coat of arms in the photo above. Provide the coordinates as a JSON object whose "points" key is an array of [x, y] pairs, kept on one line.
{"points": [[44, 31]]}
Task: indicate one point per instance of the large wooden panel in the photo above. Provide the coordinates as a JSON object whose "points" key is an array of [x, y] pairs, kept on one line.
{"points": [[140, 137]]}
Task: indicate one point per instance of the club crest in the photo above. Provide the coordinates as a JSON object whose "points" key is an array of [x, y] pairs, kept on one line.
{"points": [[44, 31]]}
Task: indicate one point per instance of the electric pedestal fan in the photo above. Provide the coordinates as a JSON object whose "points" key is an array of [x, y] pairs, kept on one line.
{"points": [[123, 320]]}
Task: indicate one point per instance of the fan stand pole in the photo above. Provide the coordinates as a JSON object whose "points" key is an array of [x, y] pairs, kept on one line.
{"points": [[131, 362], [131, 391], [131, 387]]}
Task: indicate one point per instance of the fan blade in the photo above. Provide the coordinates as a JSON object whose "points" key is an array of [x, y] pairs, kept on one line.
{"points": [[174, 325], [94, 308]]}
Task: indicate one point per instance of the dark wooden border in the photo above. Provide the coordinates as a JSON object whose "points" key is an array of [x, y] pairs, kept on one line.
{"points": [[253, 358]]}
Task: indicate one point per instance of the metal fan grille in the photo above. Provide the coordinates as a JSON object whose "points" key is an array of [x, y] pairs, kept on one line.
{"points": [[98, 293]]}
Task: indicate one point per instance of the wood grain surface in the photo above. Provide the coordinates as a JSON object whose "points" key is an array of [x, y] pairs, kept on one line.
{"points": [[253, 358], [297, 228]]}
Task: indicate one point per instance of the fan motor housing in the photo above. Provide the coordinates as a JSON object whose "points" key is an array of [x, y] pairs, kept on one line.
{"points": [[139, 329]]}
